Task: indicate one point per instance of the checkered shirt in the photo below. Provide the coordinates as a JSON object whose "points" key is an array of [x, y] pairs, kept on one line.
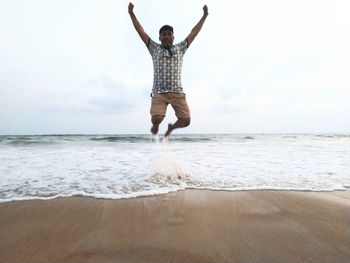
{"points": [[167, 65]]}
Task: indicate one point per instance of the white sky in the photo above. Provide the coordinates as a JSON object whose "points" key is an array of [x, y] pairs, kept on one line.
{"points": [[256, 66]]}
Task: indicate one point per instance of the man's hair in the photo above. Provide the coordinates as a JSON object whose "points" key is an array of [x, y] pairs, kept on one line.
{"points": [[166, 28]]}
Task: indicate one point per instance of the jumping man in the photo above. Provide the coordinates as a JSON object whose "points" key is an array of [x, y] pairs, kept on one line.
{"points": [[167, 64]]}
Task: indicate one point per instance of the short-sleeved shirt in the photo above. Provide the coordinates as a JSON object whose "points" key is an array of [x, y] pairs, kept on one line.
{"points": [[167, 65]]}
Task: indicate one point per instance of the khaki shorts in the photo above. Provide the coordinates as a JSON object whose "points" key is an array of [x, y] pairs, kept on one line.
{"points": [[160, 103]]}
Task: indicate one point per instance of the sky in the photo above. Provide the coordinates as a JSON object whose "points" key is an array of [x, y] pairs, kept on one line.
{"points": [[272, 66]]}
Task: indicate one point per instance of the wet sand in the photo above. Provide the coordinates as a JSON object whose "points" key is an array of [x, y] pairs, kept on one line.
{"points": [[185, 226]]}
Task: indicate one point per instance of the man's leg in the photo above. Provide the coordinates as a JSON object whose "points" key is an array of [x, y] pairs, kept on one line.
{"points": [[182, 112], [156, 120], [158, 110], [181, 122]]}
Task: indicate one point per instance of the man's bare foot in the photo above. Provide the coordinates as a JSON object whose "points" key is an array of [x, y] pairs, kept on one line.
{"points": [[170, 129], [154, 129]]}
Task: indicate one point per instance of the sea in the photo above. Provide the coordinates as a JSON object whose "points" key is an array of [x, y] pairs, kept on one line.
{"points": [[129, 165]]}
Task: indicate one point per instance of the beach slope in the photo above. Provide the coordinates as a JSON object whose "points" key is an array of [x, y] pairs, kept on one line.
{"points": [[185, 226]]}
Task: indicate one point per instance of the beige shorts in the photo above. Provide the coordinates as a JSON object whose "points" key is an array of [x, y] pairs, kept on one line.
{"points": [[160, 103]]}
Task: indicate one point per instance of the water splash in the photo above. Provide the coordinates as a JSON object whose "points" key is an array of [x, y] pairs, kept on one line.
{"points": [[165, 168]]}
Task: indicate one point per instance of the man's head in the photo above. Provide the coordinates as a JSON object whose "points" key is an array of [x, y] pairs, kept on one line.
{"points": [[166, 36]]}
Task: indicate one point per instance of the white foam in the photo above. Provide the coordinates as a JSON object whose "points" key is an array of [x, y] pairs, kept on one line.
{"points": [[116, 168]]}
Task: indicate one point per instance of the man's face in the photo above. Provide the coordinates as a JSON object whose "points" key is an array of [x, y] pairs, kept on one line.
{"points": [[166, 38]]}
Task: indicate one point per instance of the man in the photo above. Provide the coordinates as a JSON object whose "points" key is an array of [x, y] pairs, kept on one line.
{"points": [[167, 64]]}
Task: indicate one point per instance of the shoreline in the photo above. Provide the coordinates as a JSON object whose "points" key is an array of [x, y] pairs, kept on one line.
{"points": [[107, 197], [184, 226]]}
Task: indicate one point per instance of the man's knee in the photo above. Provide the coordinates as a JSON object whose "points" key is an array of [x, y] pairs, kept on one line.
{"points": [[157, 119], [185, 121]]}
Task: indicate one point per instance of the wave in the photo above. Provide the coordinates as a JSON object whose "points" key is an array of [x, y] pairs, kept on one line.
{"points": [[53, 139], [123, 139], [148, 138], [333, 135], [248, 138], [190, 139], [25, 141]]}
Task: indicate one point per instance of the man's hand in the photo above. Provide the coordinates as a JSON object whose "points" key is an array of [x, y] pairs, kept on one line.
{"points": [[131, 8], [205, 10]]}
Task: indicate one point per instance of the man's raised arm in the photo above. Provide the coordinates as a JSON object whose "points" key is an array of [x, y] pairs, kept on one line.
{"points": [[137, 24], [197, 27]]}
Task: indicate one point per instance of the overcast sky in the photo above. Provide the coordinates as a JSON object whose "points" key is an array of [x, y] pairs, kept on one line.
{"points": [[70, 66]]}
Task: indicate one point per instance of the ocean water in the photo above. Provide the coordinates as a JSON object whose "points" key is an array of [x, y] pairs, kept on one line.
{"points": [[125, 166]]}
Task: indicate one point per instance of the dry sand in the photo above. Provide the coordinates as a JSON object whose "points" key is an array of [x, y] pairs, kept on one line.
{"points": [[186, 226]]}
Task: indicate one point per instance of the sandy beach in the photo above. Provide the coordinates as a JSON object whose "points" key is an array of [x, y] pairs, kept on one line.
{"points": [[185, 226]]}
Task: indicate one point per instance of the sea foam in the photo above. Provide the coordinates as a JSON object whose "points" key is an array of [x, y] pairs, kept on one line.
{"points": [[125, 166]]}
